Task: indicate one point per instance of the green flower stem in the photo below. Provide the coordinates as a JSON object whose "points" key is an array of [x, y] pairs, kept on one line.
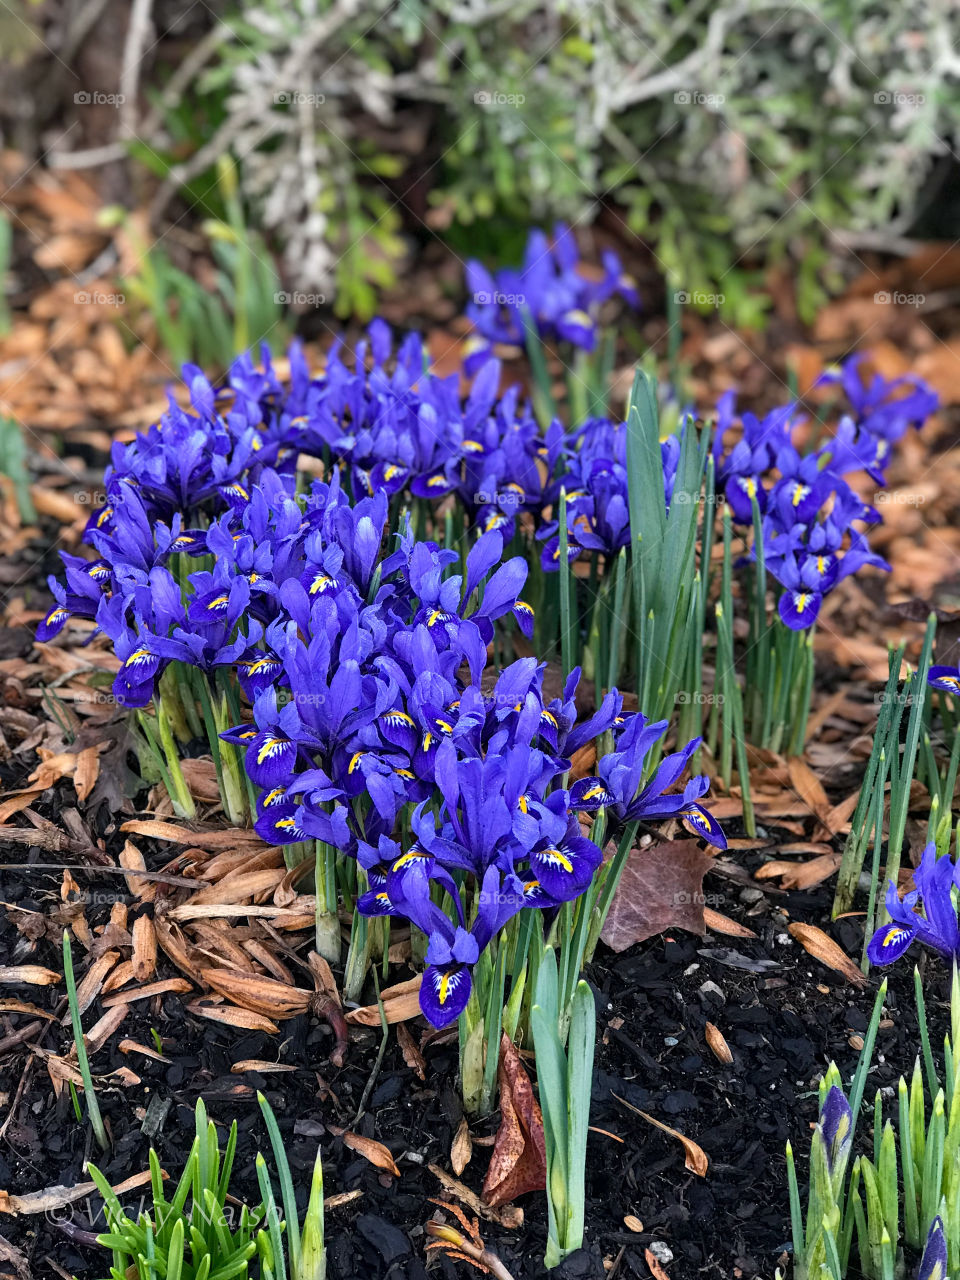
{"points": [[327, 920], [180, 796], [83, 1062]]}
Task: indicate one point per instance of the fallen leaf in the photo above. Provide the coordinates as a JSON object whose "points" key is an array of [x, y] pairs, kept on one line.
{"points": [[245, 1019], [800, 875], [519, 1160], [134, 1046], [400, 1003], [411, 1052], [462, 1148], [57, 1197], [723, 924], [371, 1150], [823, 948], [259, 994], [104, 1027], [176, 985], [21, 1006], [131, 858], [695, 1156], [87, 771], [144, 949], [32, 975], [508, 1215], [718, 1045], [257, 1064], [92, 981], [661, 888], [214, 839], [809, 786]]}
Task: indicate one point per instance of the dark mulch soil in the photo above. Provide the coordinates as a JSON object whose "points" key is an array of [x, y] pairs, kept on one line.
{"points": [[783, 1016]]}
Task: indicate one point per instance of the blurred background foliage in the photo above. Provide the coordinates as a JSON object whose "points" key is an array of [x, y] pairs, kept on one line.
{"points": [[732, 137]]}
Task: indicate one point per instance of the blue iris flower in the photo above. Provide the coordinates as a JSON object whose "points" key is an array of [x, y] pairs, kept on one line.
{"points": [[936, 925]]}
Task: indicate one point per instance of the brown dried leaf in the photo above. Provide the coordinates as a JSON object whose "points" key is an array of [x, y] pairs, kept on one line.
{"points": [[508, 1215], [104, 1027], [134, 1046], [87, 771], [661, 888], [411, 1052], [118, 977], [176, 985], [723, 924], [258, 1064], [22, 1006], [371, 1150], [57, 1197], [32, 975], [519, 1160], [809, 786], [400, 1003], [462, 1148], [255, 992], [695, 1156], [800, 875], [718, 1045], [132, 858], [823, 948], [92, 981], [17, 803], [144, 949], [215, 839], [245, 1019]]}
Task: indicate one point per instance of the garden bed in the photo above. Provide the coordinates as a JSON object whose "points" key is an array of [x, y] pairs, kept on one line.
{"points": [[782, 1014]]}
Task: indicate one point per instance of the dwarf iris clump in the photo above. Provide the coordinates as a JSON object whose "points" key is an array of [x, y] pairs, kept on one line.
{"points": [[868, 1212], [432, 787], [935, 879], [549, 297]]}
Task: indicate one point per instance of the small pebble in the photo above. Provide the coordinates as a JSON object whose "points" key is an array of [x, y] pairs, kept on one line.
{"points": [[670, 1040], [751, 895], [662, 1252], [711, 989]]}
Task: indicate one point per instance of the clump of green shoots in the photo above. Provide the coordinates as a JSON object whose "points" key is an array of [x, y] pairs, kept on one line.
{"points": [[192, 1236]]}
